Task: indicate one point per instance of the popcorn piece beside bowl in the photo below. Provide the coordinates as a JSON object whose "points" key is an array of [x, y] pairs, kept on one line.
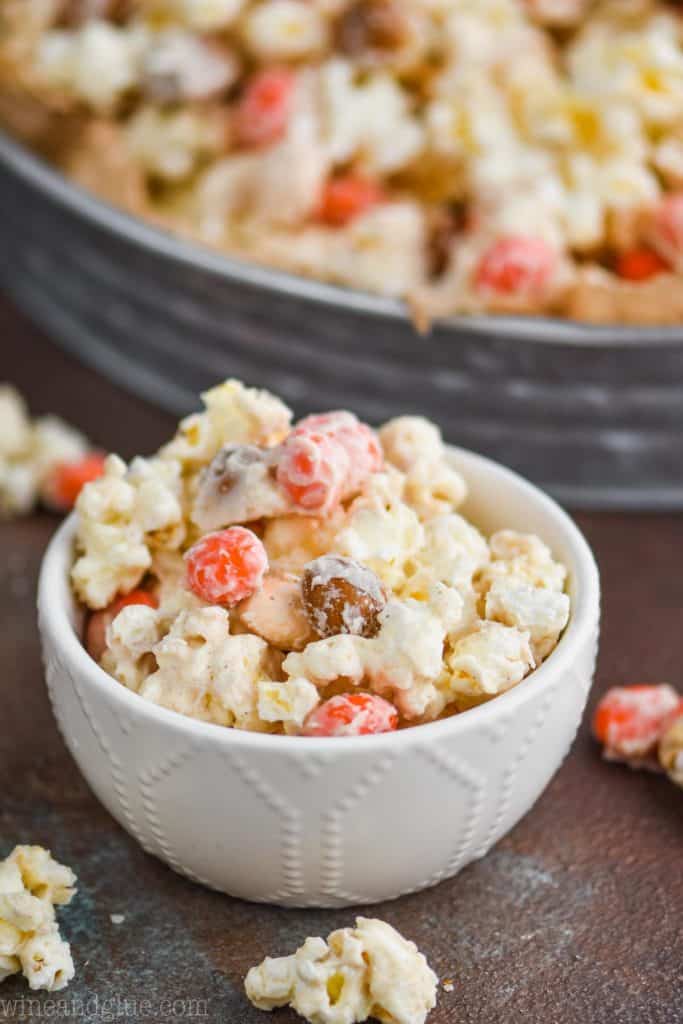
{"points": [[312, 819]]}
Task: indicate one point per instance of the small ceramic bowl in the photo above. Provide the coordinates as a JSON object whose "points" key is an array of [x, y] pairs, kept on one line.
{"points": [[325, 822]]}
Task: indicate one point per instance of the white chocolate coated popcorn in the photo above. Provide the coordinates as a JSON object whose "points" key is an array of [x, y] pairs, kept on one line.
{"points": [[234, 414], [207, 673], [32, 883], [29, 451], [369, 970], [534, 610], [287, 702], [489, 660], [121, 517]]}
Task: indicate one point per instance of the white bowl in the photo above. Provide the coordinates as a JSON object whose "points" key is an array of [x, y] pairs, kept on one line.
{"points": [[320, 822]]}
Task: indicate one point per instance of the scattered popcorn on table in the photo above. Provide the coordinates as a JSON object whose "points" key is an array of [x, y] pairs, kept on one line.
{"points": [[32, 884], [312, 579], [358, 973], [40, 460]]}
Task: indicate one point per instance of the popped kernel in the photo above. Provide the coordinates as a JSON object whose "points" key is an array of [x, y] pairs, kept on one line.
{"points": [[32, 884], [226, 567], [367, 970], [98, 622]]}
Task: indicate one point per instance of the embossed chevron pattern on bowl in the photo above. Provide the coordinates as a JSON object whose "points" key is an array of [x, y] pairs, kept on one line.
{"points": [[315, 822]]}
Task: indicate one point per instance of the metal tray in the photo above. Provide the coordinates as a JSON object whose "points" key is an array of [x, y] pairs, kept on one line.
{"points": [[593, 414]]}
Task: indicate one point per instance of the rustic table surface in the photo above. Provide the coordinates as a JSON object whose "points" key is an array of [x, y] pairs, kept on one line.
{"points": [[576, 916]]}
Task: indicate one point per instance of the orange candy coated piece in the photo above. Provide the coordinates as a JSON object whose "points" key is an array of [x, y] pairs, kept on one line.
{"points": [[516, 266], [98, 622], [67, 480], [313, 470], [351, 714], [358, 440], [227, 566], [263, 111], [629, 720], [640, 265], [346, 198]]}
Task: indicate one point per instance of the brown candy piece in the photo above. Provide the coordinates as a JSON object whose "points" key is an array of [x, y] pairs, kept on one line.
{"points": [[371, 25], [342, 596]]}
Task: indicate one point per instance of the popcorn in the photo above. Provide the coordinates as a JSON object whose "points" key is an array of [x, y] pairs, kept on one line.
{"points": [[131, 639], [30, 452], [233, 414], [32, 883], [206, 673], [97, 63], [489, 660], [171, 144], [385, 608], [524, 556], [382, 531], [180, 66], [533, 610], [288, 702], [121, 517], [367, 970], [284, 30]]}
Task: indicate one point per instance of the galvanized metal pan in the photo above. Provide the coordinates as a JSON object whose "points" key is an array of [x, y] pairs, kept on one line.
{"points": [[593, 414]]}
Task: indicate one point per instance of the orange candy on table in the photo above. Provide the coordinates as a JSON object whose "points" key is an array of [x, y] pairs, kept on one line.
{"points": [[263, 111], [516, 265], [345, 198], [98, 622], [227, 566], [67, 479], [640, 265], [630, 720], [351, 714]]}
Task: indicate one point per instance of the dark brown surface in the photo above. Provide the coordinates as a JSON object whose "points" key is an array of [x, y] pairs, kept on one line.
{"points": [[575, 918]]}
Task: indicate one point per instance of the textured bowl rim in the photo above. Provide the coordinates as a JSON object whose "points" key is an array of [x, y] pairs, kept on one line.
{"points": [[583, 624], [173, 248]]}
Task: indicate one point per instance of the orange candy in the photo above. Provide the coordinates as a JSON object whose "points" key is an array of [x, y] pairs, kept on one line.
{"points": [[640, 265], [313, 470], [351, 714], [98, 622], [347, 197], [227, 566], [629, 720], [263, 111], [358, 439], [516, 265], [67, 479]]}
